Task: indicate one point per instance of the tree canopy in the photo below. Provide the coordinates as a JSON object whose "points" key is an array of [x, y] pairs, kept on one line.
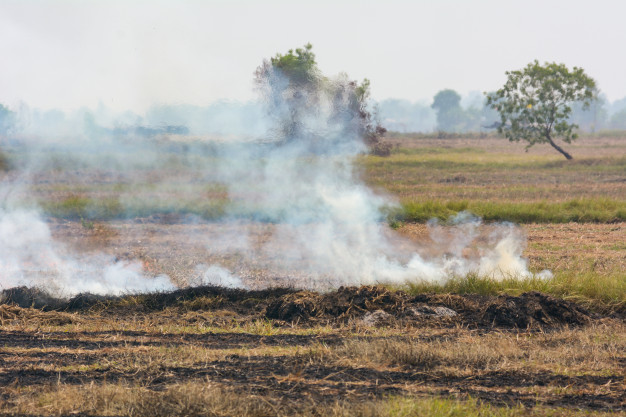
{"points": [[535, 103], [295, 88], [299, 67], [450, 116]]}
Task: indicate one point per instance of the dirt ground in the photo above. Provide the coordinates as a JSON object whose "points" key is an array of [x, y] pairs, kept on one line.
{"points": [[248, 250], [295, 348]]}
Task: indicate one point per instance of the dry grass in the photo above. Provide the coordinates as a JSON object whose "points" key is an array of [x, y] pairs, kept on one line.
{"points": [[595, 350], [187, 399], [207, 399], [136, 368]]}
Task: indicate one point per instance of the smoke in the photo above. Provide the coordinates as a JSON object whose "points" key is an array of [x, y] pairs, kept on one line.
{"points": [[30, 257], [216, 276], [329, 225], [469, 247], [292, 170]]}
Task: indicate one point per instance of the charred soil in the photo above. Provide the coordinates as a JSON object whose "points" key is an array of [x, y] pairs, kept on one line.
{"points": [[291, 307]]}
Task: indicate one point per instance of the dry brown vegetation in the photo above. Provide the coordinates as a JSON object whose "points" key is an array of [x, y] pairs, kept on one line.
{"points": [[496, 170], [208, 354], [174, 362]]}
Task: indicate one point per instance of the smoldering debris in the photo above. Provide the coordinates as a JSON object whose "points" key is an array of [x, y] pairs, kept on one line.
{"points": [[364, 306], [378, 304]]}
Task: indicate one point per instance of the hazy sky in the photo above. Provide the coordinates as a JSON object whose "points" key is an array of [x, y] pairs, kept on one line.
{"points": [[131, 54]]}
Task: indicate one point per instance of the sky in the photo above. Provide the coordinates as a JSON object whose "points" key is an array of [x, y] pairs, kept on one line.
{"points": [[130, 55]]}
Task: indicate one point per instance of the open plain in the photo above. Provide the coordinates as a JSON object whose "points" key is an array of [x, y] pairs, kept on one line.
{"points": [[464, 346]]}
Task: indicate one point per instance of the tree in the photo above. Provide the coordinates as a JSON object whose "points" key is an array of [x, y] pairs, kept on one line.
{"points": [[450, 115], [535, 103], [295, 88]]}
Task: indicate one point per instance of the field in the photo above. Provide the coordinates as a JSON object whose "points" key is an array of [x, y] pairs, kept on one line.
{"points": [[497, 180], [467, 346]]}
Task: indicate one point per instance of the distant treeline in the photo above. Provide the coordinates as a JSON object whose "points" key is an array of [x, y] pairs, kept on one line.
{"points": [[451, 113]]}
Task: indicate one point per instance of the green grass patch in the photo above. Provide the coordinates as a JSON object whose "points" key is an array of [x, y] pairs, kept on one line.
{"points": [[597, 210], [478, 160]]}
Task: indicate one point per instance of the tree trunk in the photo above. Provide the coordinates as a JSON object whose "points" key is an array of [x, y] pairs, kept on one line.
{"points": [[558, 148]]}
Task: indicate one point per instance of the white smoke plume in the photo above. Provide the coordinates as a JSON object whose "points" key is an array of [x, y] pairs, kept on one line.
{"points": [[30, 257], [469, 247], [298, 177], [330, 224], [214, 275]]}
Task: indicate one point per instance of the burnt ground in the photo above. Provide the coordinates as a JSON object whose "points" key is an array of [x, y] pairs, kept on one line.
{"points": [[372, 304], [268, 343]]}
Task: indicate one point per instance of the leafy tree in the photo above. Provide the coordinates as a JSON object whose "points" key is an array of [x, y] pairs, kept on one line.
{"points": [[7, 120], [450, 115], [294, 87], [535, 103], [300, 68]]}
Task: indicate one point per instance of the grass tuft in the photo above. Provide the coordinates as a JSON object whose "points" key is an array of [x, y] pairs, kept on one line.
{"points": [[603, 293]]}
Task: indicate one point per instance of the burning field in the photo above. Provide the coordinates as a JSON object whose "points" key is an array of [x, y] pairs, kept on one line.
{"points": [[173, 314], [276, 275]]}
